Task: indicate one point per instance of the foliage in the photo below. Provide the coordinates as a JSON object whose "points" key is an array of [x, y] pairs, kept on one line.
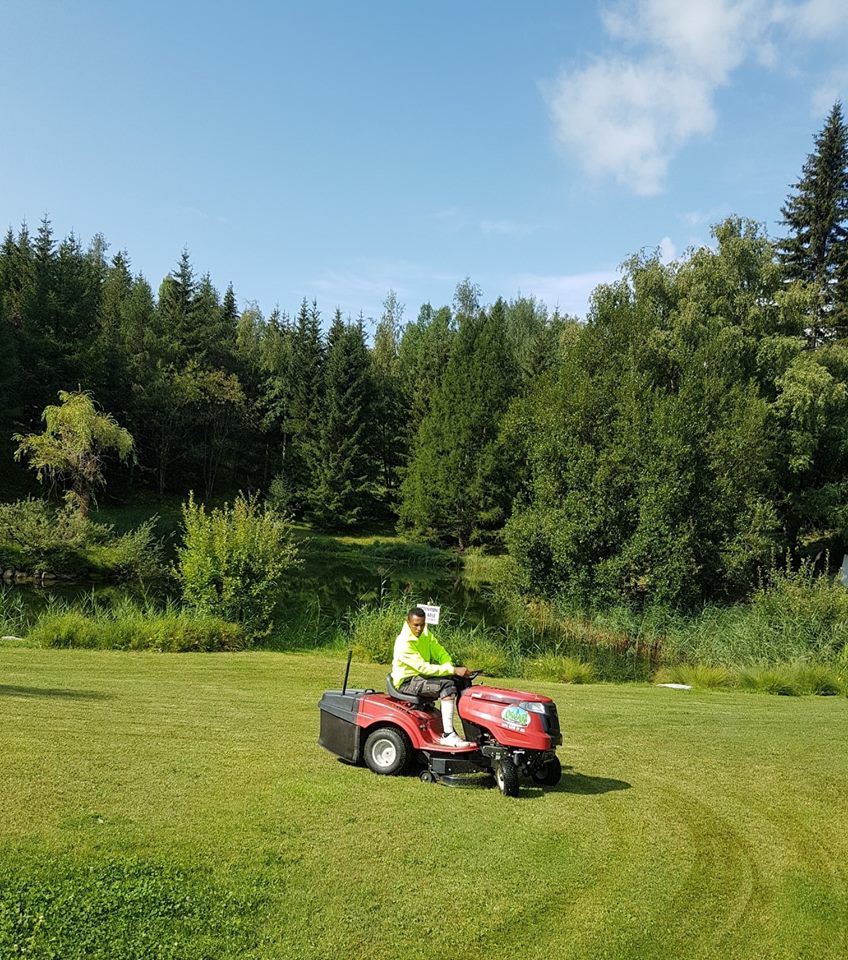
{"points": [[371, 631], [390, 414], [301, 456], [658, 447], [481, 652], [795, 615], [458, 487], [232, 561], [342, 485], [36, 537], [559, 669], [695, 675], [816, 250], [128, 626], [216, 404], [73, 446], [12, 613]]}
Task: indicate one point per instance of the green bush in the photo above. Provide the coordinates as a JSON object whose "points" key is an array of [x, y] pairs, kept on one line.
{"points": [[695, 675], [128, 626], [371, 631], [792, 680], [559, 669], [793, 616], [775, 680], [479, 652], [36, 536], [12, 614], [232, 562]]}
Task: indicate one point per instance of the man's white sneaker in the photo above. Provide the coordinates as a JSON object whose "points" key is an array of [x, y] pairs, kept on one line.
{"points": [[452, 740]]}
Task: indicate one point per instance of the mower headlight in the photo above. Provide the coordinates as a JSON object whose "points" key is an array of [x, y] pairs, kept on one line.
{"points": [[532, 707]]}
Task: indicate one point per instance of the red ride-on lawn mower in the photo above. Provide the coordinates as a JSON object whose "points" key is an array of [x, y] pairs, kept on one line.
{"points": [[512, 734]]}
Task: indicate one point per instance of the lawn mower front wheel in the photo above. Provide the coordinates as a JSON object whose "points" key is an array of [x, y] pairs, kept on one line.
{"points": [[386, 751], [506, 777], [550, 774]]}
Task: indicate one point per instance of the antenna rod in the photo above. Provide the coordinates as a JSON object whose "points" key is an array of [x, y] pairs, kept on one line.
{"points": [[347, 671]]}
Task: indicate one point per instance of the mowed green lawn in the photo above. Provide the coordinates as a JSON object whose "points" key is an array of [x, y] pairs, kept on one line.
{"points": [[178, 806]]}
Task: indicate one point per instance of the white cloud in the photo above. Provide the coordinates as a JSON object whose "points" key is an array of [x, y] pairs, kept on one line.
{"points": [[668, 251], [363, 284], [627, 116], [627, 119], [700, 218], [818, 19], [570, 293], [834, 87], [709, 37]]}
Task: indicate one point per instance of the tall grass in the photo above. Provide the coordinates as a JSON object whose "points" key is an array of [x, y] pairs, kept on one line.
{"points": [[12, 613], [795, 616], [498, 651], [129, 625]]}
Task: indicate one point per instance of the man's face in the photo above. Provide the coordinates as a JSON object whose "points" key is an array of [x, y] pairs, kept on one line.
{"points": [[416, 625]]}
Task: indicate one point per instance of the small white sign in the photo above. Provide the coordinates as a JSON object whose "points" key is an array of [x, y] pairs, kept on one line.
{"points": [[431, 613]]}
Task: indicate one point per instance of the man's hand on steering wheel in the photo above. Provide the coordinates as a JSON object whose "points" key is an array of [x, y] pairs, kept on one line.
{"points": [[462, 671]]}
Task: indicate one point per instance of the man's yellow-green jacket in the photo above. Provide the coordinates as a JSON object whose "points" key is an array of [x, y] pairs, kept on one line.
{"points": [[419, 657]]}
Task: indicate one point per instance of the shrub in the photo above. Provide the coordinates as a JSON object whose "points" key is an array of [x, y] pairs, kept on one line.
{"points": [[36, 536], [776, 680], [12, 614], [131, 627], [133, 554], [559, 669], [479, 652], [695, 675], [371, 631], [232, 561], [793, 679]]}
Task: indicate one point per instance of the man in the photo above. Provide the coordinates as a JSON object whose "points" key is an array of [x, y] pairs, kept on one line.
{"points": [[422, 667]]}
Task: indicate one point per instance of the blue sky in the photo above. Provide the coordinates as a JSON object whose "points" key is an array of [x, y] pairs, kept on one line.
{"points": [[337, 149]]}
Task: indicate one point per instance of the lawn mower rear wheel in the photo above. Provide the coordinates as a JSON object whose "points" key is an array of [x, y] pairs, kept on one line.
{"points": [[387, 751]]}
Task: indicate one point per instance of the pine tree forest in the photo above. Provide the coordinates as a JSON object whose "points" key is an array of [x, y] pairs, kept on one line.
{"points": [[691, 432]]}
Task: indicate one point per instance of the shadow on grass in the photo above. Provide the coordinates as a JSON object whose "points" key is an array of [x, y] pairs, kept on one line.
{"points": [[584, 785], [9, 691]]}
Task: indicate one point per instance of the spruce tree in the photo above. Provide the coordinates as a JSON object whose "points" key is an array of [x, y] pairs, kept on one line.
{"points": [[177, 295], [424, 351], [299, 468], [115, 294], [816, 249], [389, 399], [343, 492], [456, 489]]}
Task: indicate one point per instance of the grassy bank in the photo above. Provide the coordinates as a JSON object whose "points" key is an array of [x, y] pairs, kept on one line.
{"points": [[180, 808], [519, 650]]}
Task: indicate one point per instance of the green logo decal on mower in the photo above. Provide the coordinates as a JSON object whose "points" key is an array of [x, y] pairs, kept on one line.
{"points": [[515, 715]]}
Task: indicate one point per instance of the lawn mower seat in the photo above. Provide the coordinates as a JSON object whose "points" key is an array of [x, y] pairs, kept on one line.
{"points": [[393, 692]]}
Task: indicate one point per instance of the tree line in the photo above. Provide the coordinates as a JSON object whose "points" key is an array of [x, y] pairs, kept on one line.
{"points": [[675, 444]]}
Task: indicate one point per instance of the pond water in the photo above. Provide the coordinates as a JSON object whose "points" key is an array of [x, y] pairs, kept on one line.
{"points": [[325, 587]]}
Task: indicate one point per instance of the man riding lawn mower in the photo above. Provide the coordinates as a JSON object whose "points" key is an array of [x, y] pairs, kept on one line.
{"points": [[507, 732]]}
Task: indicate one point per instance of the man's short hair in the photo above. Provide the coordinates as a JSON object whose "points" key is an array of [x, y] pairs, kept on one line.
{"points": [[416, 612]]}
